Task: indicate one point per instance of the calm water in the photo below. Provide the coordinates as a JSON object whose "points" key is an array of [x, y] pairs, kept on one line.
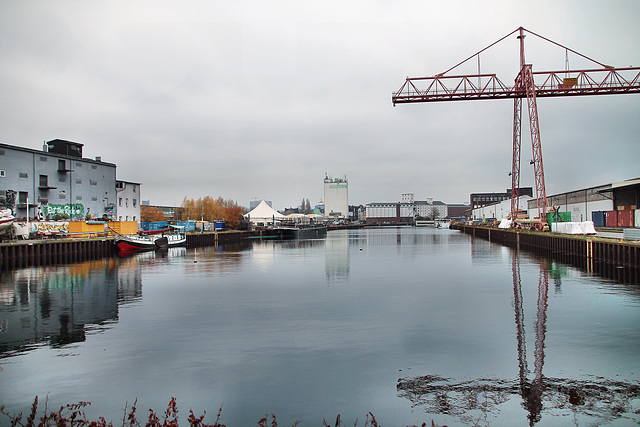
{"points": [[412, 325]]}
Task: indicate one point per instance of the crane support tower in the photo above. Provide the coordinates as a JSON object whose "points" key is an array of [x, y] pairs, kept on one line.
{"points": [[529, 84]]}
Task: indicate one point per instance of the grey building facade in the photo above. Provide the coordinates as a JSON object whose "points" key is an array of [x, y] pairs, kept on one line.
{"points": [[56, 180]]}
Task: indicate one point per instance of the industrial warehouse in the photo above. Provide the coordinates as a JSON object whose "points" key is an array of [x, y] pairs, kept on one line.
{"points": [[608, 205]]}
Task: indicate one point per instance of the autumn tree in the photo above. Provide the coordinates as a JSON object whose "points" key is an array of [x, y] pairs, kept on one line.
{"points": [[151, 214], [210, 209], [231, 212]]}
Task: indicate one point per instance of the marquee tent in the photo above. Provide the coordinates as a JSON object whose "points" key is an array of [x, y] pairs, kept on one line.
{"points": [[303, 219], [263, 215]]}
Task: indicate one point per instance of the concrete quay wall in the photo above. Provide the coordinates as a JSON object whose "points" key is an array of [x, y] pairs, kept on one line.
{"points": [[53, 251], [25, 253], [618, 260]]}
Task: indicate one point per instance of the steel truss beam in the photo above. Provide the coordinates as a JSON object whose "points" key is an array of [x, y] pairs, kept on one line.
{"points": [[607, 81]]}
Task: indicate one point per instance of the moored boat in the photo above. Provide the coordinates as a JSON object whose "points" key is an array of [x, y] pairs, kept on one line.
{"points": [[149, 242], [442, 223], [311, 232], [6, 219]]}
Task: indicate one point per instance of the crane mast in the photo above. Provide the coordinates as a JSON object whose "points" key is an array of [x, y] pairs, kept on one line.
{"points": [[604, 80]]}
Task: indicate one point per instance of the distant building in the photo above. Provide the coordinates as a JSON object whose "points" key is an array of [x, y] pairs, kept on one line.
{"points": [[406, 198], [459, 210], [389, 213], [336, 197], [356, 213], [497, 210], [607, 205], [128, 201], [56, 180], [615, 204], [484, 199], [405, 211], [169, 212]]}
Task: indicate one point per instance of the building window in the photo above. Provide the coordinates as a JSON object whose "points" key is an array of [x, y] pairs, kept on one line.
{"points": [[2, 173], [78, 181], [120, 185], [79, 165], [24, 175], [94, 199], [43, 158], [44, 181], [126, 202], [22, 197], [94, 167], [134, 202], [134, 188], [62, 165], [120, 201], [78, 197], [92, 182], [134, 218]]}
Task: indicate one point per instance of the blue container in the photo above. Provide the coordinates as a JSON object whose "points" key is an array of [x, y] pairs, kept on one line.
{"points": [[188, 225], [153, 226], [598, 218]]}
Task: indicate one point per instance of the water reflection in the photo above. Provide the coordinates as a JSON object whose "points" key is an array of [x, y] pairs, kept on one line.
{"points": [[58, 305], [343, 246], [473, 400], [337, 260]]}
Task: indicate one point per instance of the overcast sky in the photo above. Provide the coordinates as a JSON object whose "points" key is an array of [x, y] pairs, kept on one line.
{"points": [[259, 99]]}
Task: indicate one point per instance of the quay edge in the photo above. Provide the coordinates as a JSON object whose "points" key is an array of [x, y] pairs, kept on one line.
{"points": [[50, 251], [608, 257]]}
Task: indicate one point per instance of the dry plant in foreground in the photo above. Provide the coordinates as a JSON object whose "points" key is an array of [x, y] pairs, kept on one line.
{"points": [[73, 415]]}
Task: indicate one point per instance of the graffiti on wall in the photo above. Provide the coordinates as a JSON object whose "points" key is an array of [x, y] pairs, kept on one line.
{"points": [[50, 227], [70, 210], [110, 211]]}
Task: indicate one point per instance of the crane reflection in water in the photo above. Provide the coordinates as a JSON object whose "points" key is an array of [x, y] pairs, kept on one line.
{"points": [[473, 401]]}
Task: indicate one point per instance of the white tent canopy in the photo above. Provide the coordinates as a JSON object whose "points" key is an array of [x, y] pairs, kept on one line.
{"points": [[303, 218], [263, 214]]}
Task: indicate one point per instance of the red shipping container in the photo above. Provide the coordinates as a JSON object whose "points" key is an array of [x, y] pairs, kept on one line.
{"points": [[611, 218], [625, 218]]}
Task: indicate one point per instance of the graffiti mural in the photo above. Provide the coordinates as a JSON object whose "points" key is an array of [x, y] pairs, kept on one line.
{"points": [[110, 211], [50, 227], [70, 210]]}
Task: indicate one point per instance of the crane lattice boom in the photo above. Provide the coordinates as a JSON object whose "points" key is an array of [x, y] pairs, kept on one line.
{"points": [[528, 84], [606, 81]]}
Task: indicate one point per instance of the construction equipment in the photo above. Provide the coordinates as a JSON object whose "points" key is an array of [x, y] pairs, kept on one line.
{"points": [[604, 80]]}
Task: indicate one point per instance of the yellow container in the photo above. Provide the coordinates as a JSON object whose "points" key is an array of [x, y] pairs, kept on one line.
{"points": [[86, 229], [100, 228], [123, 227]]}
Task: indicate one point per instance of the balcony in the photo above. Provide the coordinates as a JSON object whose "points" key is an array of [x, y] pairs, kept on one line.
{"points": [[23, 205]]}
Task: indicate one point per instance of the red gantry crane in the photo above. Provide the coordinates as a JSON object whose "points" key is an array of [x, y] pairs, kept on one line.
{"points": [[601, 80]]}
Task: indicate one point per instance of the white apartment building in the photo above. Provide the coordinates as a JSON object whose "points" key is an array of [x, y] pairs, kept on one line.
{"points": [[128, 201]]}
